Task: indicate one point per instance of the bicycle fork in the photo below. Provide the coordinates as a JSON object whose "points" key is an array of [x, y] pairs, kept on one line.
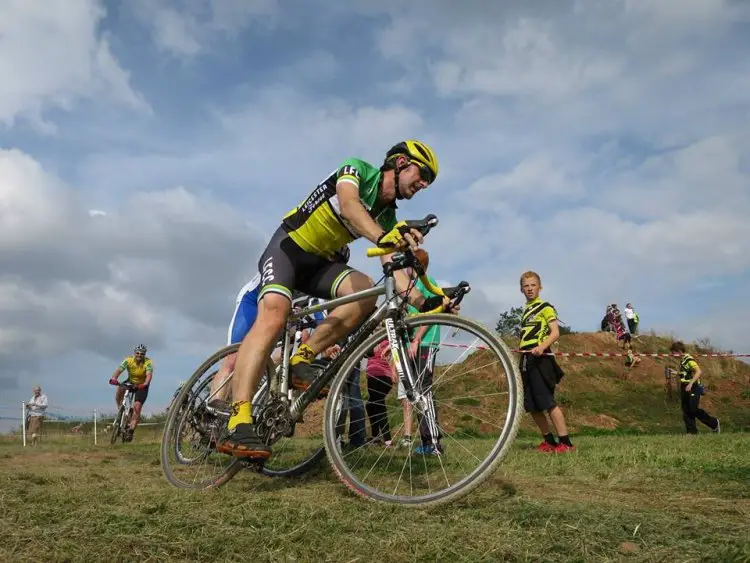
{"points": [[398, 339]]}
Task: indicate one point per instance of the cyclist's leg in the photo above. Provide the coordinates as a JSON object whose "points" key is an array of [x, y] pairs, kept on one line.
{"points": [[140, 397], [334, 279], [329, 280], [277, 265], [244, 317], [119, 394]]}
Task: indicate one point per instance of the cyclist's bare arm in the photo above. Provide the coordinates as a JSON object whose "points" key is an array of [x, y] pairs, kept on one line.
{"points": [[149, 375], [355, 213], [117, 372]]}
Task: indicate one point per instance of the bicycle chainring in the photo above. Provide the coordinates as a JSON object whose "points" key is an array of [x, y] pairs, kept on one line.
{"points": [[274, 421]]}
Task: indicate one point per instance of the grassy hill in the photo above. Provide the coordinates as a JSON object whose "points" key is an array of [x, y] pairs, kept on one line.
{"points": [[598, 395], [602, 395]]}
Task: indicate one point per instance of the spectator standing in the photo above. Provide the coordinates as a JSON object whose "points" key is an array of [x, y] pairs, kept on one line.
{"points": [[691, 390], [379, 384], [632, 318], [540, 372], [37, 407]]}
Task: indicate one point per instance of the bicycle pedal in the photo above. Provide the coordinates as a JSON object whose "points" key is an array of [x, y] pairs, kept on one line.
{"points": [[253, 465]]}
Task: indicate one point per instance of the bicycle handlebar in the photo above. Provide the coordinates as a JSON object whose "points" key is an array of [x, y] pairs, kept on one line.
{"points": [[455, 294], [422, 225], [126, 385]]}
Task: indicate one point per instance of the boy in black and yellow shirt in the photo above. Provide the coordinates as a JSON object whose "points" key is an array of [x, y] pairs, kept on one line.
{"points": [[540, 373], [691, 390]]}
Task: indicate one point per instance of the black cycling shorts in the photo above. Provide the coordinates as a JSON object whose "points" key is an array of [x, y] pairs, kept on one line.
{"points": [[540, 376], [140, 395], [285, 267]]}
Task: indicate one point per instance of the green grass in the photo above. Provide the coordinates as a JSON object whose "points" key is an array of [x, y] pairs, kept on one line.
{"points": [[657, 498]]}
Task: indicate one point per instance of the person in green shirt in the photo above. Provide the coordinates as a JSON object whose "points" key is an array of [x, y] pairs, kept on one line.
{"points": [[423, 350]]}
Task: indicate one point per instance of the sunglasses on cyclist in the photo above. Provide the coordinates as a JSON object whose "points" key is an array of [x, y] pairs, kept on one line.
{"points": [[424, 172]]}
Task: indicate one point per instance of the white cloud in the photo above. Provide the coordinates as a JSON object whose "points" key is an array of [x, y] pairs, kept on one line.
{"points": [[527, 59], [64, 316], [276, 129], [319, 126], [537, 178], [73, 279], [53, 55], [185, 28], [174, 33]]}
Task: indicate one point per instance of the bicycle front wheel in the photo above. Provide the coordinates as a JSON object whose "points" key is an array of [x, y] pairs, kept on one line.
{"points": [[451, 437], [116, 426]]}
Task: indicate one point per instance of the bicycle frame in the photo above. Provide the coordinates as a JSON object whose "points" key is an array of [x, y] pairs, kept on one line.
{"points": [[127, 405], [388, 311]]}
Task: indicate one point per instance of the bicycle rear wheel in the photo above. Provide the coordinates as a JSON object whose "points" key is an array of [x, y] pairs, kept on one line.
{"points": [[464, 426], [188, 456]]}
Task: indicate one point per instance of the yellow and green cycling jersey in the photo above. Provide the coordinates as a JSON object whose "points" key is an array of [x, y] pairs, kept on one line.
{"points": [[316, 224], [535, 321], [137, 372], [687, 368]]}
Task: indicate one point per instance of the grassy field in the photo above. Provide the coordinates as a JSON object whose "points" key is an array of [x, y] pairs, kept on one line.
{"points": [[633, 498]]}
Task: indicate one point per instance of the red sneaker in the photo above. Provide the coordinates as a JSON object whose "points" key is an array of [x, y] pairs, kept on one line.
{"points": [[564, 448], [546, 448]]}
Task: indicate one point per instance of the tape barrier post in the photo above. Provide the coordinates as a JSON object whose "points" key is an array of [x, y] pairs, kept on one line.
{"points": [[23, 422], [95, 439]]}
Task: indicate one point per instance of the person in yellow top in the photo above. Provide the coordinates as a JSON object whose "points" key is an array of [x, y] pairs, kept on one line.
{"points": [[691, 390], [140, 371], [540, 373]]}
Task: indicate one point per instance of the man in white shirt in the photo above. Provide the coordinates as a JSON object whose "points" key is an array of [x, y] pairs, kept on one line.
{"points": [[36, 407], [632, 318]]}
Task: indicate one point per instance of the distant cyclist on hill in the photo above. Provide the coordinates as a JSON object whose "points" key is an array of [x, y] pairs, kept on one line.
{"points": [[140, 371]]}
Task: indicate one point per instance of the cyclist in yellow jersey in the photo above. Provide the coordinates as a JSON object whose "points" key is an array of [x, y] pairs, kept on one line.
{"points": [[140, 371], [356, 200]]}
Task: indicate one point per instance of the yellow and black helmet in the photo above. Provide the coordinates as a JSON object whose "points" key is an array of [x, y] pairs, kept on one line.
{"points": [[418, 152]]}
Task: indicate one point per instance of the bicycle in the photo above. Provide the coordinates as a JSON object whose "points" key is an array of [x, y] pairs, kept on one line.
{"points": [[124, 414], [480, 427]]}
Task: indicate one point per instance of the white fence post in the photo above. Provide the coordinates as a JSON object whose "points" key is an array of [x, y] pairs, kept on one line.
{"points": [[95, 442], [23, 422]]}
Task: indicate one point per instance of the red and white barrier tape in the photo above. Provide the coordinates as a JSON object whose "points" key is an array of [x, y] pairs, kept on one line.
{"points": [[642, 354], [611, 354]]}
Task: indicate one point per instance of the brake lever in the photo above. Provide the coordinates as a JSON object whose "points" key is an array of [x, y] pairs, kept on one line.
{"points": [[457, 293], [425, 225]]}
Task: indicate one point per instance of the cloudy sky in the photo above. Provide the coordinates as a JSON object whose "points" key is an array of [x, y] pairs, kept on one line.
{"points": [[149, 148]]}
